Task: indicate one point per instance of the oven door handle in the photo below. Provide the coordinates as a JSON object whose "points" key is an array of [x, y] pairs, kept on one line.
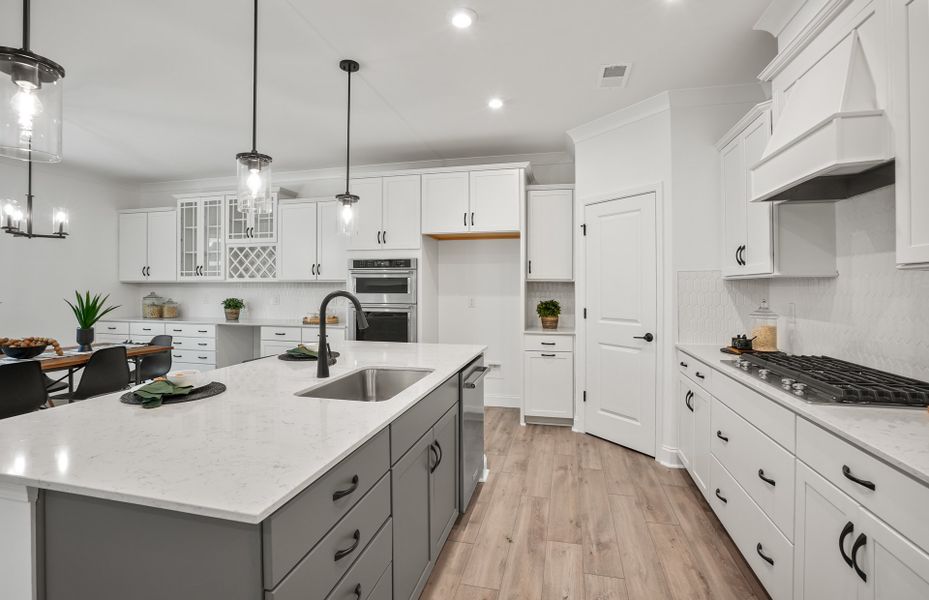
{"points": [[470, 383], [397, 308]]}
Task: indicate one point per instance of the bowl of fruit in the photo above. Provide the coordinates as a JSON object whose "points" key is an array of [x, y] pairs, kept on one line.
{"points": [[29, 347]]}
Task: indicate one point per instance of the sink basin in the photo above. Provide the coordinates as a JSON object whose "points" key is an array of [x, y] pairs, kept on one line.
{"points": [[368, 385]]}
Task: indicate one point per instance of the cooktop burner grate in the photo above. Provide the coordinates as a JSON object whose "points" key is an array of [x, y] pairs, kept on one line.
{"points": [[846, 382]]}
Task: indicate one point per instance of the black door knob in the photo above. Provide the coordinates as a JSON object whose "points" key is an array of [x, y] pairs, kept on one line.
{"points": [[647, 337]]}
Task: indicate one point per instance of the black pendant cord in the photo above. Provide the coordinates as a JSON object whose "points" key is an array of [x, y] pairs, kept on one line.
{"points": [[26, 25], [348, 132], [254, 82], [29, 202]]}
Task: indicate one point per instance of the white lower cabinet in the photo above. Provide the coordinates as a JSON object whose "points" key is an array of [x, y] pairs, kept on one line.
{"points": [[694, 432], [278, 340], [549, 385]]}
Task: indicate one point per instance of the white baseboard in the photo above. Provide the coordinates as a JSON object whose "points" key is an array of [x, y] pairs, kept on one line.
{"points": [[501, 401], [669, 457]]}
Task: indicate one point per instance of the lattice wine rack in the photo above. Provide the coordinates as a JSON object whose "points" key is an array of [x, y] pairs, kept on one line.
{"points": [[251, 262]]}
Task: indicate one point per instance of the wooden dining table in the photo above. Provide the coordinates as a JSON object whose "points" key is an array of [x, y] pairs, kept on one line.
{"points": [[75, 362]]}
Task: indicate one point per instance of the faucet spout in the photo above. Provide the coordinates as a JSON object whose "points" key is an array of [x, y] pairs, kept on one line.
{"points": [[323, 362]]}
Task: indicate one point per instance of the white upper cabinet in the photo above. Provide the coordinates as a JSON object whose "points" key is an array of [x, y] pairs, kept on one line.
{"points": [[486, 201], [495, 200], [446, 202], [368, 213], [311, 245], [332, 245], [247, 228], [148, 246], [910, 92], [201, 238], [388, 213], [550, 235], [758, 254]]}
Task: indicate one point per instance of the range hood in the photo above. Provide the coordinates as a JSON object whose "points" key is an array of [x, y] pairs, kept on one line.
{"points": [[831, 141]]}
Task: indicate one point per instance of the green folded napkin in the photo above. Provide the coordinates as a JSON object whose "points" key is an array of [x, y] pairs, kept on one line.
{"points": [[153, 393], [302, 351]]}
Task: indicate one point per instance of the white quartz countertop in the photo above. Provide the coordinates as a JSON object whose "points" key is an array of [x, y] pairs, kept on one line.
{"points": [[237, 456], [898, 436], [559, 331], [221, 321]]}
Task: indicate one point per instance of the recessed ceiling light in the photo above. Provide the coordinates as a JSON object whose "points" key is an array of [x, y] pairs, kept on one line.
{"points": [[463, 18], [495, 103]]}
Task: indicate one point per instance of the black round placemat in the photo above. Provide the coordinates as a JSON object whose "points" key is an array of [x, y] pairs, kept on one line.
{"points": [[199, 393], [289, 357]]}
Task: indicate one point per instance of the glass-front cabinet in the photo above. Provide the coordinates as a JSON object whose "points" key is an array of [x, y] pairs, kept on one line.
{"points": [[250, 227], [201, 237]]}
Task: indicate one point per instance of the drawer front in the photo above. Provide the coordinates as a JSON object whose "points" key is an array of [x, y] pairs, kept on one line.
{"points": [[418, 419], [290, 532], [310, 335], [319, 570], [763, 469], [367, 571], [197, 357], [110, 338], [776, 421], [180, 366], [549, 343], [749, 527], [686, 363], [896, 498], [120, 328], [280, 334], [146, 329], [697, 371], [193, 343], [190, 330], [384, 589]]}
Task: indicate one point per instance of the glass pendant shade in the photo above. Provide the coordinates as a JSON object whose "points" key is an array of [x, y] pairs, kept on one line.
{"points": [[30, 106], [61, 221], [253, 171], [348, 214], [11, 215]]}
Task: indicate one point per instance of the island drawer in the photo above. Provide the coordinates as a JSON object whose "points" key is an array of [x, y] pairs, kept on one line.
{"points": [[411, 425], [321, 569], [368, 569], [281, 334], [290, 532], [189, 343], [190, 330], [548, 343], [197, 357], [120, 328], [146, 330]]}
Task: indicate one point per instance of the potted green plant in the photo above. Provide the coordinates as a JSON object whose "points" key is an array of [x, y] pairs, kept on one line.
{"points": [[548, 311], [88, 310], [232, 307]]}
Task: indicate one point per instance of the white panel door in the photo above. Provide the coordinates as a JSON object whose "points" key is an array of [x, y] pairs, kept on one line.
{"points": [[162, 246], [892, 568], [332, 253], [622, 297], [401, 215], [495, 200], [445, 202], [212, 237], [550, 235], [133, 246], [368, 214], [297, 242], [733, 187], [549, 384], [758, 255]]}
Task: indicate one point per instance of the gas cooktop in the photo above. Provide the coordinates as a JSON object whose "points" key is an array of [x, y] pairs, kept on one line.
{"points": [[830, 380]]}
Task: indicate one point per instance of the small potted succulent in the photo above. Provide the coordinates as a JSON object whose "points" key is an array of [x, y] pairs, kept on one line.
{"points": [[88, 310], [548, 311], [232, 307]]}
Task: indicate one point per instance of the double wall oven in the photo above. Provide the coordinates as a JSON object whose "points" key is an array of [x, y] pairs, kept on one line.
{"points": [[386, 289]]}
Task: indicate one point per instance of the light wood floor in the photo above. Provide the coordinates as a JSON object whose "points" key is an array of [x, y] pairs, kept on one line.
{"points": [[566, 516]]}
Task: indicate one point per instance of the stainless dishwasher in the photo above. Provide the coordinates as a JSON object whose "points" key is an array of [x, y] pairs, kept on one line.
{"points": [[472, 429]]}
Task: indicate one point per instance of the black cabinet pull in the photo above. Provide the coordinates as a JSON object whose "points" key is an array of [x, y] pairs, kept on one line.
{"points": [[379, 238], [177, 330], [647, 337], [465, 219], [339, 555], [548, 343], [683, 364], [530, 267], [385, 237], [859, 544], [472, 219], [700, 375], [200, 343], [737, 261], [846, 531], [349, 490], [763, 556], [548, 355], [441, 453], [720, 435], [721, 497], [357, 592], [319, 269], [767, 480], [279, 333], [435, 453], [203, 357], [862, 482], [201, 331], [687, 400], [313, 269]]}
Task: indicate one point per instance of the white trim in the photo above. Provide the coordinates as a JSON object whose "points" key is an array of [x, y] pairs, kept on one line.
{"points": [[124, 211], [549, 186], [778, 15], [749, 118], [669, 457], [19, 567], [637, 112], [502, 401]]}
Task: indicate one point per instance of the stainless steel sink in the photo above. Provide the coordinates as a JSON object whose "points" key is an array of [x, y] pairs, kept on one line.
{"points": [[368, 385]]}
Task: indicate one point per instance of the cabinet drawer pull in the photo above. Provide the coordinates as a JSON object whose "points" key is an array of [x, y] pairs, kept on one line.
{"points": [[203, 357], [340, 554], [357, 592], [336, 495], [111, 328], [763, 556], [720, 435], [846, 531], [548, 355], [177, 330], [859, 544], [700, 375], [767, 480], [178, 355], [862, 482], [683, 364], [146, 329], [202, 344], [721, 497], [201, 331], [548, 343], [279, 333]]}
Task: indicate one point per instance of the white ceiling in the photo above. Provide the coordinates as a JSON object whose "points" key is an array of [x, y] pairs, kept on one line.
{"points": [[161, 90]]}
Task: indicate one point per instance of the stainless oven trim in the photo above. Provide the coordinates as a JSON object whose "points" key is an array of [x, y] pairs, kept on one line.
{"points": [[408, 274], [410, 309]]}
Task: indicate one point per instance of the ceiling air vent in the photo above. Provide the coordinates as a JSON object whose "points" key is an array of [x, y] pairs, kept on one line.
{"points": [[613, 76]]}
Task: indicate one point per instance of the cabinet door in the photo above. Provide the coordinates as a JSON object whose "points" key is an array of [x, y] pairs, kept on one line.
{"points": [[443, 506], [402, 202], [212, 243], [911, 117], [550, 233], [895, 568], [188, 227], [332, 246], [734, 188], [549, 384], [238, 223], [298, 242], [495, 200], [133, 246], [823, 514], [445, 202], [685, 423], [758, 255], [410, 485], [700, 461], [162, 245], [368, 214]]}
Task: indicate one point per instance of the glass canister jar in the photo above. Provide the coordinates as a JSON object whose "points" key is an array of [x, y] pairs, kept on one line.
{"points": [[764, 329], [153, 306], [170, 309]]}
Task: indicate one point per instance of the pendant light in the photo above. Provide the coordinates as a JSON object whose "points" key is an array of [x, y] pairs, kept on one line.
{"points": [[347, 216], [30, 102], [19, 224], [253, 169]]}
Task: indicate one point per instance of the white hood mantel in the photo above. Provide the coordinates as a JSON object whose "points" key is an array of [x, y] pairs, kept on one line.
{"points": [[831, 141]]}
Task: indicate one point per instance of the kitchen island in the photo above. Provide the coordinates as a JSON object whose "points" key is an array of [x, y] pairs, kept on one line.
{"points": [[229, 497]]}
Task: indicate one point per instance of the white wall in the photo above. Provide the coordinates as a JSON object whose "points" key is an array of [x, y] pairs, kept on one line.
{"points": [[38, 274], [484, 273]]}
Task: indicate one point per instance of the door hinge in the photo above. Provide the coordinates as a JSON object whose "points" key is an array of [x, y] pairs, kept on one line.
{"points": [[585, 313], [584, 228], [585, 395]]}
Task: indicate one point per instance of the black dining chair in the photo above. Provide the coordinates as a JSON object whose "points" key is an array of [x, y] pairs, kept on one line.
{"points": [[107, 371], [21, 388], [154, 365]]}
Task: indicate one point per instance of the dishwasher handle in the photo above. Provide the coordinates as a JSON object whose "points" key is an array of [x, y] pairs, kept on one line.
{"points": [[471, 382]]}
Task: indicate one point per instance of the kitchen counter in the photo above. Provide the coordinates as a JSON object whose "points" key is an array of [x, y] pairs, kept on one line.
{"points": [[238, 456], [897, 436], [540, 331], [222, 321]]}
